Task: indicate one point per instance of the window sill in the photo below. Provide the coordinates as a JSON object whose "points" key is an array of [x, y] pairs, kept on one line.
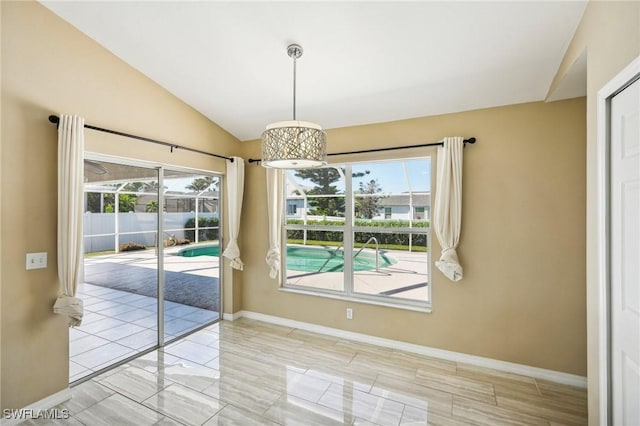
{"points": [[425, 309]]}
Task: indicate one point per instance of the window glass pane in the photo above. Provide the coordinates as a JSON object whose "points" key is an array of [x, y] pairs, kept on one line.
{"points": [[317, 264], [392, 190], [391, 264], [389, 222], [315, 194]]}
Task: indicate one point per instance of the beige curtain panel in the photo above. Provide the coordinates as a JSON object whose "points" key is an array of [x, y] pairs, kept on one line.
{"points": [[275, 189], [447, 215], [235, 193], [70, 205]]}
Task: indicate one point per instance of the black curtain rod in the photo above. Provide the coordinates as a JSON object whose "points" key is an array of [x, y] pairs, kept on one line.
{"points": [[466, 141], [56, 120]]}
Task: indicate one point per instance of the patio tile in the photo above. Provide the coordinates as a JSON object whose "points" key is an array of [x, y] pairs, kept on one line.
{"points": [[109, 294], [90, 317], [202, 316], [143, 339], [135, 314], [149, 321], [86, 343], [115, 311], [178, 326], [120, 331], [108, 365], [77, 370], [95, 290], [102, 305], [75, 334], [129, 297], [101, 355], [89, 300], [101, 325], [170, 305], [180, 311], [145, 302]]}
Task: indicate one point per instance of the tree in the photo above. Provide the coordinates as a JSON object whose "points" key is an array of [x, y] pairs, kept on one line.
{"points": [[133, 186], [324, 180], [367, 207], [200, 184], [151, 186]]}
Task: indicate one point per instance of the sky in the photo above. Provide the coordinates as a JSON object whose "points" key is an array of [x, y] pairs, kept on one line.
{"points": [[390, 175]]}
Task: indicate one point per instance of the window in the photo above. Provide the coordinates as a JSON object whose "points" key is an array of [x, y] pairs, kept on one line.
{"points": [[346, 241]]}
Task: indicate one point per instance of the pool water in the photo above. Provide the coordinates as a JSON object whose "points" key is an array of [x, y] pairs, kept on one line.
{"points": [[208, 250], [310, 259]]}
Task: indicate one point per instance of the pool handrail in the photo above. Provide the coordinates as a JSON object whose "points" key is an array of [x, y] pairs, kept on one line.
{"points": [[377, 251]]}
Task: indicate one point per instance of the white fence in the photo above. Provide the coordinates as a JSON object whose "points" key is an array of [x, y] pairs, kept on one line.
{"points": [[100, 232]]}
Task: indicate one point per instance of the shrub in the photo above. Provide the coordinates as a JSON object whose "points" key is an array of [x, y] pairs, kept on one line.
{"points": [[361, 237], [203, 234], [131, 246]]}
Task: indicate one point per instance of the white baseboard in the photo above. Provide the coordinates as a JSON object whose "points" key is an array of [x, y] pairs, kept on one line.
{"points": [[508, 367], [38, 406], [230, 317]]}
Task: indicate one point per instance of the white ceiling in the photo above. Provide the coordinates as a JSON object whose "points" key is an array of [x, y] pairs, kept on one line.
{"points": [[363, 62]]}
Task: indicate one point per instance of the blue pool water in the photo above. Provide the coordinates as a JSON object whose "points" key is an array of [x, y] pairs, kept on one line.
{"points": [[308, 259]]}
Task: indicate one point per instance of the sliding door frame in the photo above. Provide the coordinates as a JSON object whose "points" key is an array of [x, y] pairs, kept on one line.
{"points": [[161, 168]]}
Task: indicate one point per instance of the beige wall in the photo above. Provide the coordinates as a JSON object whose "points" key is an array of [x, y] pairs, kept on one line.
{"points": [[522, 246], [49, 67], [610, 33]]}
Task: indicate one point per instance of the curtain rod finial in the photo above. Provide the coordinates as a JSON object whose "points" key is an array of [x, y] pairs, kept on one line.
{"points": [[54, 119]]}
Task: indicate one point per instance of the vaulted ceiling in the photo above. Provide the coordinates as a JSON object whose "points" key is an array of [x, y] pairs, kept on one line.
{"points": [[363, 62]]}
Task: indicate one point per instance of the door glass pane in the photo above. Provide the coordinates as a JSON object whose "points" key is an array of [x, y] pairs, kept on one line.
{"points": [[119, 286], [191, 240]]}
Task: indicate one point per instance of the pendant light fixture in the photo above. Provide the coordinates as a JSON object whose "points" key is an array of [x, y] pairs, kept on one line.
{"points": [[294, 144]]}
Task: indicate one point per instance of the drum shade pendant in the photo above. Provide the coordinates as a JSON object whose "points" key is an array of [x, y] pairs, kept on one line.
{"points": [[294, 144]]}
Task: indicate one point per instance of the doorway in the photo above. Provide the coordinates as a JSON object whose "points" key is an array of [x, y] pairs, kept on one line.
{"points": [[152, 260], [619, 253]]}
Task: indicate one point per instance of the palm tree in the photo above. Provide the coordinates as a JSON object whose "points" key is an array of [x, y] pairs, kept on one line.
{"points": [[200, 184]]}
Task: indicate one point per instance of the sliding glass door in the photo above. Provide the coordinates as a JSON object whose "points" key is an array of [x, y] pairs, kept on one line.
{"points": [[191, 243], [146, 280]]}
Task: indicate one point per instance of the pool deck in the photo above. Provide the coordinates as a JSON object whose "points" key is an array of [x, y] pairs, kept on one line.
{"points": [[117, 324], [407, 279]]}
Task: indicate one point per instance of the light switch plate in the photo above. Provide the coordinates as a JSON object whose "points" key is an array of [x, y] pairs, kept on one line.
{"points": [[36, 260]]}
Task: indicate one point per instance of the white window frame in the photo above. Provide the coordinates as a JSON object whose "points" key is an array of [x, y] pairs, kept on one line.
{"points": [[348, 230]]}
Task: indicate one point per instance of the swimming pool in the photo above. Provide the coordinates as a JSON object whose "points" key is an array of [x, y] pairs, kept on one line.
{"points": [[309, 259]]}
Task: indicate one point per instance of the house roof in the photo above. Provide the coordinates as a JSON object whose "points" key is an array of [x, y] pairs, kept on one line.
{"points": [[419, 200]]}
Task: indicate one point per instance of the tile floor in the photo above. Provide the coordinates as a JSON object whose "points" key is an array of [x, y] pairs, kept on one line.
{"points": [[249, 373], [118, 324]]}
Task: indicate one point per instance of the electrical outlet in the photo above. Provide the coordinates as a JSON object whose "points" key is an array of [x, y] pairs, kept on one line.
{"points": [[349, 313], [36, 260]]}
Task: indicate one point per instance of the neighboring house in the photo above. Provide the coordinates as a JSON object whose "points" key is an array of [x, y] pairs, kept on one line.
{"points": [[392, 206], [400, 206]]}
